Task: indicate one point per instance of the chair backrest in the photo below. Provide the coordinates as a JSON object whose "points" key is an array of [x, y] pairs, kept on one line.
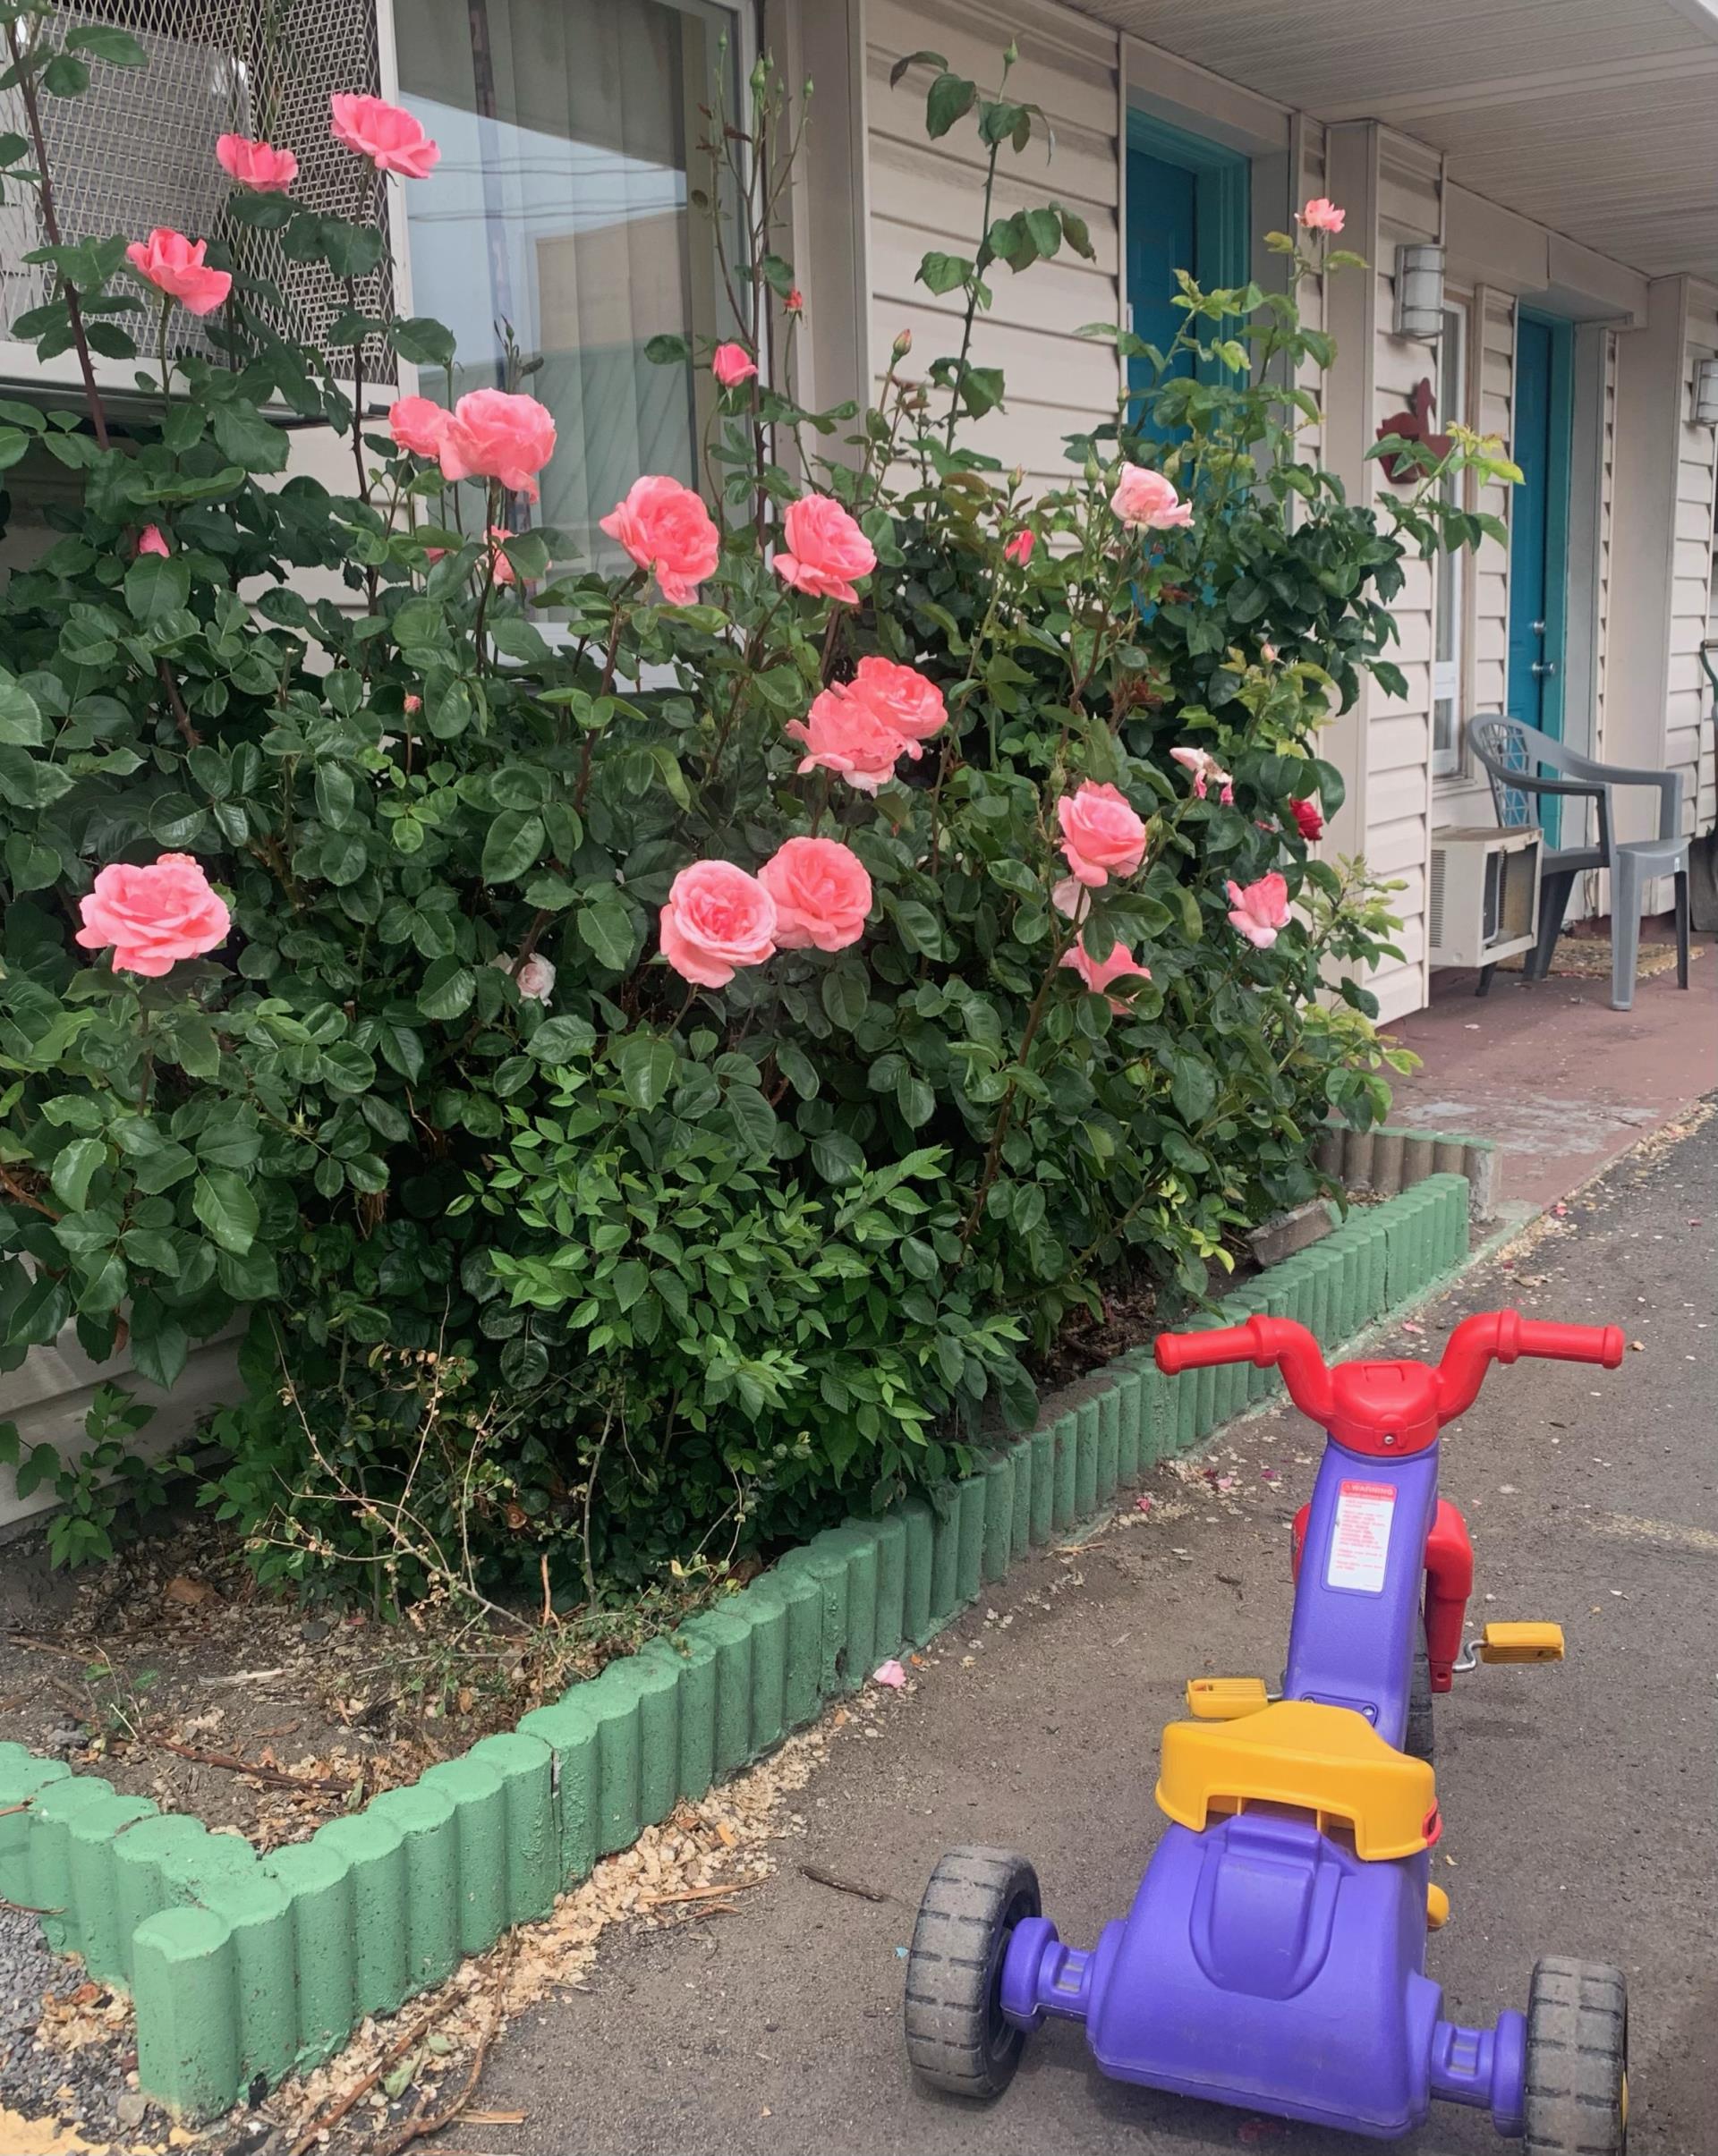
{"points": [[1503, 745]]}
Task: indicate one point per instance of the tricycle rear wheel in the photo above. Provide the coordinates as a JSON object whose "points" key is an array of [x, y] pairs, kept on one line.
{"points": [[956, 2036], [1578, 2060]]}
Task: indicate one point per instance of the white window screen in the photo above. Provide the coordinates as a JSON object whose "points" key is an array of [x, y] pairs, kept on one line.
{"points": [[569, 133], [1454, 566]]}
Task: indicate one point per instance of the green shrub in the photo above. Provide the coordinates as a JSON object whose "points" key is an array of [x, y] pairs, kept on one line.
{"points": [[582, 1256]]}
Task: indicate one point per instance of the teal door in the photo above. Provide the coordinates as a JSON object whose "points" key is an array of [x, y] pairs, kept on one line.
{"points": [[1187, 210], [1539, 533]]}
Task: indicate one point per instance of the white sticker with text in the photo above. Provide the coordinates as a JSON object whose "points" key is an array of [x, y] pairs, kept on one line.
{"points": [[1360, 1546]]}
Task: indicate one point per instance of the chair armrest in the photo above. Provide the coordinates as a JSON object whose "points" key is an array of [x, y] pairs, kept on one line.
{"points": [[1528, 784], [1669, 789]]}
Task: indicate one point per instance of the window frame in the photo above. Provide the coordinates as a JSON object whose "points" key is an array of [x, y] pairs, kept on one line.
{"points": [[1450, 676]]}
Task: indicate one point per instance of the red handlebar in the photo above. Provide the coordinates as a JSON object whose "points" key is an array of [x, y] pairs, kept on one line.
{"points": [[1397, 1407]]}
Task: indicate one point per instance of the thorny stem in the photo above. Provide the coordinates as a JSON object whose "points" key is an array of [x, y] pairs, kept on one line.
{"points": [[971, 290], [51, 225], [181, 716], [16, 1192], [586, 1563], [610, 658], [1005, 1114]]}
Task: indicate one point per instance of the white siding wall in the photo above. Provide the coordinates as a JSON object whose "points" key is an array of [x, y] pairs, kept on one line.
{"points": [[927, 195], [1688, 737], [1490, 401]]}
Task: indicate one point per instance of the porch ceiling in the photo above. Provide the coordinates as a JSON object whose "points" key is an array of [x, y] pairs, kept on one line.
{"points": [[1598, 118]]}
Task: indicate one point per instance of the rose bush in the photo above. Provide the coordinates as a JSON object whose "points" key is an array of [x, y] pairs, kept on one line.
{"points": [[652, 1049]]}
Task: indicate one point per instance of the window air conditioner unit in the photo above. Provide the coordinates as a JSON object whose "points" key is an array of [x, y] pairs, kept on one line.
{"points": [[137, 151], [1483, 901]]}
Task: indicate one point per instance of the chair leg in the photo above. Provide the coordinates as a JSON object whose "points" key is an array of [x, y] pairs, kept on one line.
{"points": [[1682, 928], [1553, 901], [1484, 985], [1625, 929]]}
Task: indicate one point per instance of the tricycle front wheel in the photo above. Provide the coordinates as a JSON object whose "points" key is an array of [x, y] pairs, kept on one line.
{"points": [[1578, 2060], [956, 2036]]}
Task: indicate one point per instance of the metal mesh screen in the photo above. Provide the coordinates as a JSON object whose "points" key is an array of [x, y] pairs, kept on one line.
{"points": [[138, 148]]}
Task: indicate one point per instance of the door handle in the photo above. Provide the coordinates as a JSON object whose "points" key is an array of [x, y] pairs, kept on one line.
{"points": [[1544, 668]]}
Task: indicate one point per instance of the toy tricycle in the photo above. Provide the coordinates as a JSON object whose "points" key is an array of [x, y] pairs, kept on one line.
{"points": [[1275, 1957]]}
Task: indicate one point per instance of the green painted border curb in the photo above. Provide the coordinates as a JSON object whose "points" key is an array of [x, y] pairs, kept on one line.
{"points": [[243, 1966]]}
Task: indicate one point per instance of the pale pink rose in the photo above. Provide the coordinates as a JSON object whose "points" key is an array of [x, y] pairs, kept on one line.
{"points": [[1098, 974], [418, 425], [821, 891], [1205, 768], [412, 706], [535, 980], [258, 165], [1147, 501], [493, 433], [1228, 795], [1269, 654], [844, 735], [1259, 910], [667, 529], [153, 916], [389, 137], [732, 364], [717, 918], [174, 264], [1321, 214], [823, 550], [1071, 898], [501, 570], [1018, 549], [901, 696], [152, 541], [1102, 835]]}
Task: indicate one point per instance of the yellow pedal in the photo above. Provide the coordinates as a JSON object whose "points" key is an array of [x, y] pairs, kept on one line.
{"points": [[1437, 1908], [1225, 1699], [1521, 1643]]}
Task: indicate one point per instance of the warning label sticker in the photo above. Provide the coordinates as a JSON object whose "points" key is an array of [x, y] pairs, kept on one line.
{"points": [[1360, 1546]]}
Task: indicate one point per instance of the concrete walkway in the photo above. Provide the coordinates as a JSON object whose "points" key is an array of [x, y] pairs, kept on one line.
{"points": [[1547, 1068], [1578, 1799]]}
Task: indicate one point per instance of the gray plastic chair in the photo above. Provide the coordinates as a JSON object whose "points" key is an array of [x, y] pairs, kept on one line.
{"points": [[1520, 761]]}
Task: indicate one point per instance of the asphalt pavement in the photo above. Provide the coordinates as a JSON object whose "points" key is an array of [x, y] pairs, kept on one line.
{"points": [[1579, 1799]]}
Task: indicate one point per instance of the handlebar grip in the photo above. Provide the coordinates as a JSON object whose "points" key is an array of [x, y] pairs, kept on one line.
{"points": [[1601, 1344], [1198, 1351]]}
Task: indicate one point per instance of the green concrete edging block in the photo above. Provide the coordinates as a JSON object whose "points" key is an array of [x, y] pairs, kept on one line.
{"points": [[242, 1967]]}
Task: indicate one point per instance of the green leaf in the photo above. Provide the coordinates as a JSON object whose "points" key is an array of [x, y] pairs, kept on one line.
{"points": [[605, 929], [223, 1202], [118, 48], [837, 1158], [949, 97], [512, 846], [66, 77], [941, 272], [20, 721], [844, 994], [160, 1353], [156, 587], [797, 1068], [667, 351], [423, 341], [647, 1065], [72, 1168], [913, 60], [247, 439], [449, 988], [560, 1040]]}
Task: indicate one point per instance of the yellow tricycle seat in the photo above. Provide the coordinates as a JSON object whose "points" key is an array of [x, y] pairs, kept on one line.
{"points": [[1326, 1760]]}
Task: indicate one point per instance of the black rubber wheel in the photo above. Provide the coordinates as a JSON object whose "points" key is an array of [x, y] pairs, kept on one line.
{"points": [[956, 2036], [1578, 2060], [1420, 1738]]}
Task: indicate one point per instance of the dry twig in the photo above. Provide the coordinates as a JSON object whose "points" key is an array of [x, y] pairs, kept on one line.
{"points": [[277, 1777]]}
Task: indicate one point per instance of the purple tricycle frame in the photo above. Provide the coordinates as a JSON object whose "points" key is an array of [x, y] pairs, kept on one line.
{"points": [[1264, 1963]]}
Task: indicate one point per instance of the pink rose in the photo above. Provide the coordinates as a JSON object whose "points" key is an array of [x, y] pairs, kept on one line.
{"points": [[1147, 501], [821, 891], [258, 165], [535, 980], [1205, 768], [794, 304], [492, 434], [172, 264], [1098, 973], [823, 550], [667, 529], [1259, 910], [418, 425], [845, 734], [732, 364], [901, 696], [151, 541], [1100, 833], [152, 916], [1321, 214], [501, 570], [1071, 898], [412, 706], [1309, 819], [1268, 654], [717, 918], [1018, 550], [389, 137]]}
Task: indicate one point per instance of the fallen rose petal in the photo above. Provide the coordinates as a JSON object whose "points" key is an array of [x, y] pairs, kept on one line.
{"points": [[889, 1673]]}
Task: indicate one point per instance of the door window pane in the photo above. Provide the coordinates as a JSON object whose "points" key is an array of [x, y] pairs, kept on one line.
{"points": [[569, 133]]}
